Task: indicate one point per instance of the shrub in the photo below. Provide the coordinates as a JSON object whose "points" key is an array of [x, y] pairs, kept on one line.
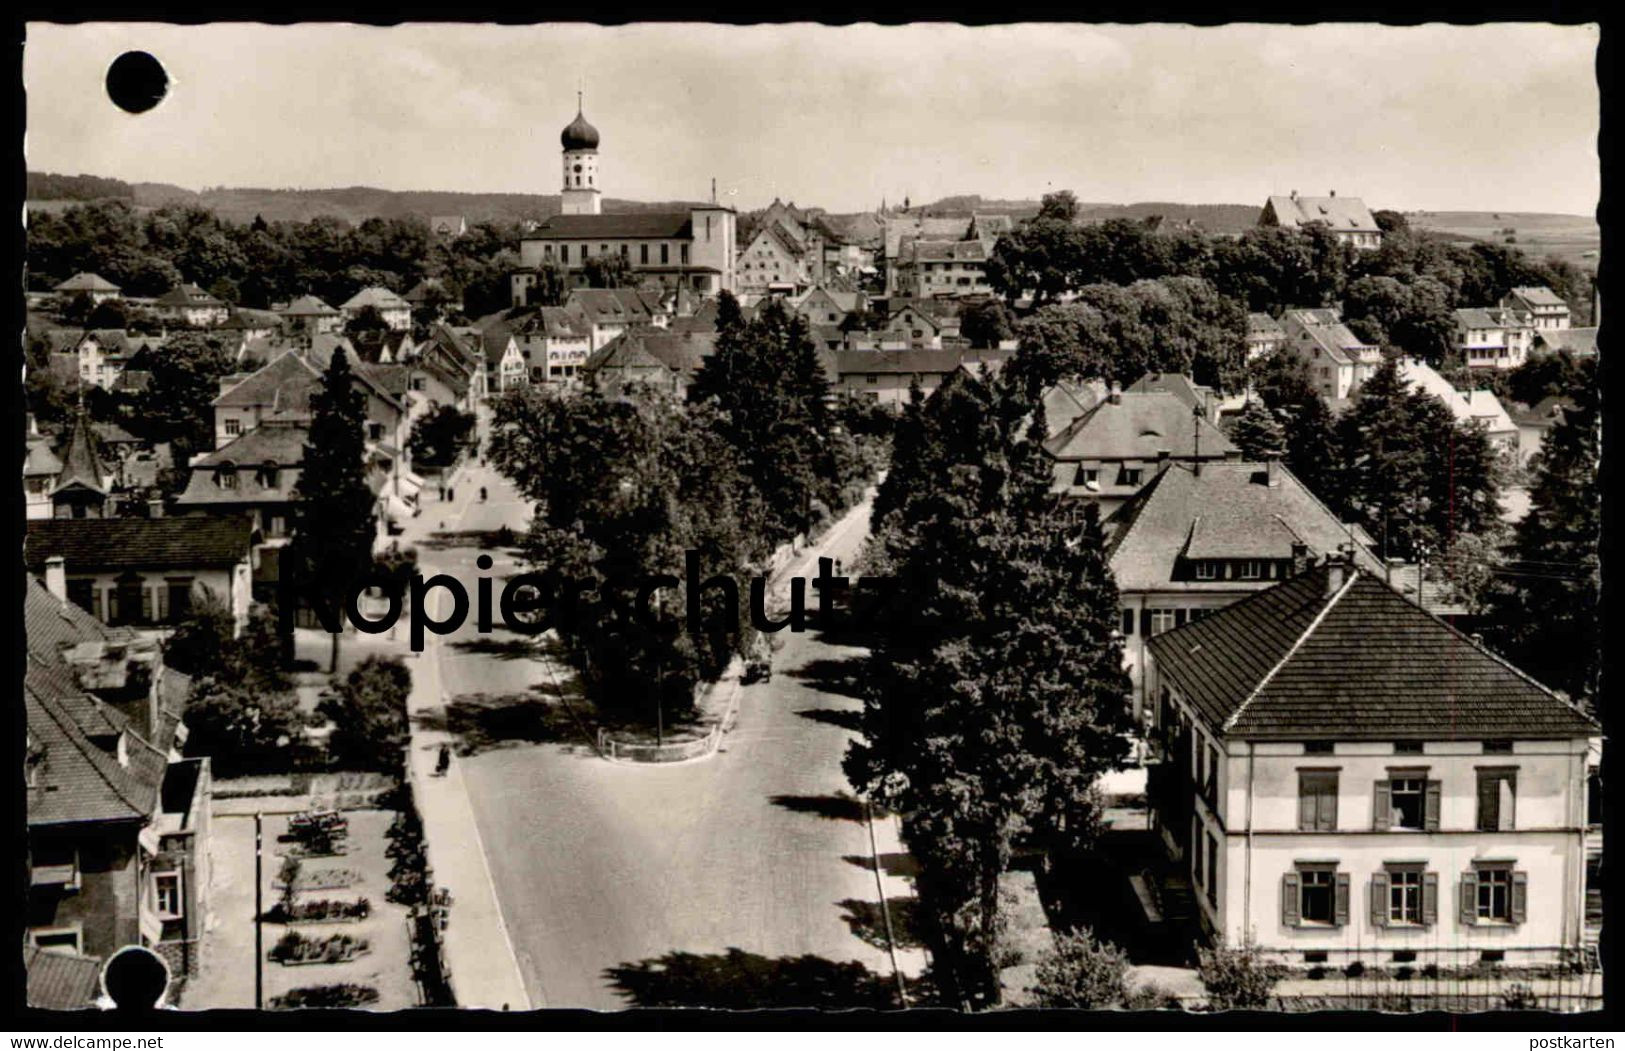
{"points": [[343, 995], [1316, 973], [1520, 997], [1354, 970], [1081, 971], [1403, 974], [1236, 979], [324, 909], [1430, 971], [294, 947]]}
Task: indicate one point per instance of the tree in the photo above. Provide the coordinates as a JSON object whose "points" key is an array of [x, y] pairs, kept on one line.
{"points": [[993, 705], [226, 290], [1237, 979], [1061, 205], [369, 716], [438, 436], [178, 403], [336, 520], [1384, 475], [608, 271], [1258, 434], [1312, 453], [367, 320], [239, 727], [1390, 222], [1083, 973], [985, 323], [199, 644], [1544, 610]]}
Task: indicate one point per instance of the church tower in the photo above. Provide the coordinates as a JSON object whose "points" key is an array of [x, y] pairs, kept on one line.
{"points": [[580, 142]]}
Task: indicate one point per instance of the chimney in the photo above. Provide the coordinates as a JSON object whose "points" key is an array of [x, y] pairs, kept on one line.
{"points": [[1331, 193], [1336, 569], [56, 577], [1162, 460], [1115, 396], [1272, 473], [155, 508], [1300, 557]]}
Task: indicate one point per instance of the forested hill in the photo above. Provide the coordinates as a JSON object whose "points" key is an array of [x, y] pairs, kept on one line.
{"points": [[1214, 218], [354, 204]]}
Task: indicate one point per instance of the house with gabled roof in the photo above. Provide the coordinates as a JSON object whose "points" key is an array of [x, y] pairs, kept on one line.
{"points": [[1346, 778], [1494, 337], [1347, 217], [1549, 310], [308, 315], [396, 312], [1265, 336], [1192, 541], [1339, 362], [942, 268], [118, 822], [1474, 407], [664, 360], [1118, 445], [97, 287], [886, 375], [188, 303]]}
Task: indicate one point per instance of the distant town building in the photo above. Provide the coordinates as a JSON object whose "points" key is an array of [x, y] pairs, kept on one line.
{"points": [[1265, 336], [449, 227], [190, 304], [1478, 407], [396, 312], [97, 287], [1494, 337], [886, 375], [1339, 363], [942, 268], [1546, 307], [694, 247], [1347, 217], [308, 315]]}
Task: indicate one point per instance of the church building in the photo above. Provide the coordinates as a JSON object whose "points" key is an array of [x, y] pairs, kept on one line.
{"points": [[693, 248]]}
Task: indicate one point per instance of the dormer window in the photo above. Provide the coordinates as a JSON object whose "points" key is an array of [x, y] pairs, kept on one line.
{"points": [[1207, 570], [269, 473], [226, 476]]}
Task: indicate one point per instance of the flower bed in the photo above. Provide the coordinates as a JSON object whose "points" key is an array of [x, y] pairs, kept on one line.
{"points": [[295, 949], [344, 995], [322, 879], [324, 910]]}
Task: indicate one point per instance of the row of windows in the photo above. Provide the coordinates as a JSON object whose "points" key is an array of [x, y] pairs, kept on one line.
{"points": [[1403, 894], [133, 601], [1157, 621], [1407, 799], [1240, 569], [625, 251], [1090, 476]]}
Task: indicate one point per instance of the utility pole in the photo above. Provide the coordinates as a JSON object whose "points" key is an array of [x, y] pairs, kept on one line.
{"points": [[259, 912]]}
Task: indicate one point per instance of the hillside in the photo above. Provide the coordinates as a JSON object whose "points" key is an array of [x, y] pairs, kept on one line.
{"points": [[353, 204], [1214, 218], [1575, 239]]}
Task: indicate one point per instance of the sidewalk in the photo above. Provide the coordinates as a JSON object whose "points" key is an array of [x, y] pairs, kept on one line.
{"points": [[896, 870], [479, 954]]}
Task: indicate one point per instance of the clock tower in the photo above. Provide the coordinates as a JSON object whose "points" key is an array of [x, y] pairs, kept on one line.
{"points": [[580, 142]]}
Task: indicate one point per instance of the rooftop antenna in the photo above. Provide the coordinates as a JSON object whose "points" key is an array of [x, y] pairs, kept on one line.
{"points": [[713, 189]]}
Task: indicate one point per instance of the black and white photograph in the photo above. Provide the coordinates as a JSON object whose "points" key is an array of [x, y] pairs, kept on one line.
{"points": [[681, 515]]}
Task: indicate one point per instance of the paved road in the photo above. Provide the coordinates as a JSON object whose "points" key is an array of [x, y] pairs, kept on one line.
{"points": [[601, 865]]}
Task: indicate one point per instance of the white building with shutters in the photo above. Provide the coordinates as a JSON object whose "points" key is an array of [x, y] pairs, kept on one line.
{"points": [[1345, 777]]}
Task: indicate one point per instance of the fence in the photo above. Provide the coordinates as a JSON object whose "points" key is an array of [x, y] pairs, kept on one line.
{"points": [[673, 752]]}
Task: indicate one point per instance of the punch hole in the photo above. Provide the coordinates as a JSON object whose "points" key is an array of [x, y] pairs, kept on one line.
{"points": [[136, 82]]}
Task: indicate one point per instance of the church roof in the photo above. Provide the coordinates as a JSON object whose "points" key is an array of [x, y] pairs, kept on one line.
{"points": [[674, 225], [81, 460], [579, 135]]}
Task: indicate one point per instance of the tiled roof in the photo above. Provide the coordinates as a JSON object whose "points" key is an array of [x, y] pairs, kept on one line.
{"points": [[950, 251], [1481, 406], [674, 225], [245, 319], [87, 282], [375, 296], [277, 443], [78, 780], [1228, 511], [1068, 400], [285, 380], [1340, 213], [59, 981], [39, 459], [1264, 326], [1582, 341], [649, 347], [82, 461], [908, 362], [1539, 296], [1305, 659], [1136, 427], [1328, 330], [308, 306], [133, 543], [1180, 386], [133, 380], [608, 305], [187, 295]]}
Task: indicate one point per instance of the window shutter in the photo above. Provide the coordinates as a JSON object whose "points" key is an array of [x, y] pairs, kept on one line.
{"points": [[1128, 622], [1430, 898], [1179, 618], [1382, 806], [1342, 916], [1379, 900], [146, 605], [1308, 806], [1520, 896], [1469, 898], [1145, 623], [1430, 820], [1289, 900], [1489, 804]]}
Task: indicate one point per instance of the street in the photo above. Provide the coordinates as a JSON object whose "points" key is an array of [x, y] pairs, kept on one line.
{"points": [[602, 869]]}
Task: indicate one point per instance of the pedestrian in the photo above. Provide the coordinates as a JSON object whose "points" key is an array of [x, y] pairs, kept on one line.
{"points": [[444, 762], [837, 567], [451, 494]]}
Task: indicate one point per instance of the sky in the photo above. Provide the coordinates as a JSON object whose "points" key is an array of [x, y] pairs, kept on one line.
{"points": [[1473, 118]]}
